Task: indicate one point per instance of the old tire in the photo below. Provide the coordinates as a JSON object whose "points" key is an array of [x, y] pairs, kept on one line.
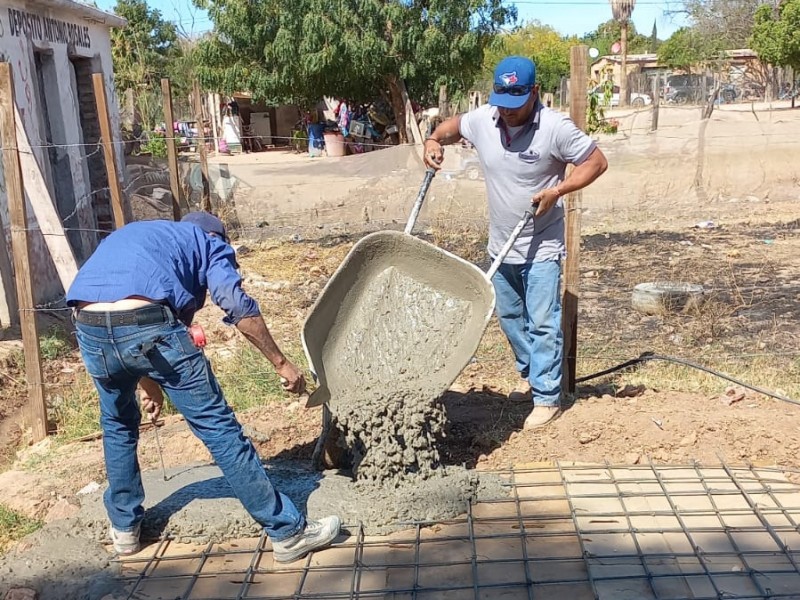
{"points": [[665, 297], [638, 102]]}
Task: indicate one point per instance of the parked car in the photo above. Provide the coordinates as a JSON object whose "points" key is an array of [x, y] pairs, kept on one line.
{"points": [[636, 99], [686, 89]]}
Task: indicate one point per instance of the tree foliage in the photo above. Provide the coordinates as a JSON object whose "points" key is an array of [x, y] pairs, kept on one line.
{"points": [[548, 49], [607, 33], [776, 34], [141, 51], [298, 51], [729, 23], [687, 47]]}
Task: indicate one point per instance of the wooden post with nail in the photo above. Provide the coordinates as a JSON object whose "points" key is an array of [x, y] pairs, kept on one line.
{"points": [[20, 245], [109, 152], [172, 150], [205, 201], [578, 91]]}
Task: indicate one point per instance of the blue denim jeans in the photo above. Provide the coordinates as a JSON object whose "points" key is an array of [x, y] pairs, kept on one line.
{"points": [[116, 357], [529, 309]]}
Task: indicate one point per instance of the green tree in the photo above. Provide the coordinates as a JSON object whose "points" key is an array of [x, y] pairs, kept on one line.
{"points": [[298, 51], [688, 47], [548, 49], [776, 34], [607, 33], [725, 23], [142, 53], [654, 41]]}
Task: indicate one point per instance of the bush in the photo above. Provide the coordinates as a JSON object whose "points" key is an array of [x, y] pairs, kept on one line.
{"points": [[155, 146]]}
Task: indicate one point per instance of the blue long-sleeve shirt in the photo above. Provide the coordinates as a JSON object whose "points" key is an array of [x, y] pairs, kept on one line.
{"points": [[173, 263]]}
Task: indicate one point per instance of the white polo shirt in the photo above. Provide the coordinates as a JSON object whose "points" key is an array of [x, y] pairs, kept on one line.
{"points": [[534, 158]]}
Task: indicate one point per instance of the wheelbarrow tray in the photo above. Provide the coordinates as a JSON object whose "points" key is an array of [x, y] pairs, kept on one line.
{"points": [[399, 313]]}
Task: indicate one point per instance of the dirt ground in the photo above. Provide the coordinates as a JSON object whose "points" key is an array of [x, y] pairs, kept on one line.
{"points": [[748, 261]]}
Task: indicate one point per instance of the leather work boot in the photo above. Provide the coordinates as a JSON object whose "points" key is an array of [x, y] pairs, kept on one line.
{"points": [[541, 416], [316, 535]]}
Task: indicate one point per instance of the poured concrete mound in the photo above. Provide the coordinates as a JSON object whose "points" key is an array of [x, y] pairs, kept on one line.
{"points": [[399, 313]]}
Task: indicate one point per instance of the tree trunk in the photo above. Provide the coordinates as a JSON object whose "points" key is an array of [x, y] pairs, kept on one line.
{"points": [[623, 76], [398, 107]]}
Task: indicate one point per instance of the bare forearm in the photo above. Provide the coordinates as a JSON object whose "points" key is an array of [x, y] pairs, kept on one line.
{"points": [[448, 132], [585, 173], [257, 333]]}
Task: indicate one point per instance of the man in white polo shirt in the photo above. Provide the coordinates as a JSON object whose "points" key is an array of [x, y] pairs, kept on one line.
{"points": [[524, 149]]}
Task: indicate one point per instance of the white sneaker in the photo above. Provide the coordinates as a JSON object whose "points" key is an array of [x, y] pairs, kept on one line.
{"points": [[316, 535], [541, 416], [125, 542]]}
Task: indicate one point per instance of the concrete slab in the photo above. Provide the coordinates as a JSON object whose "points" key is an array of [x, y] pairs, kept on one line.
{"points": [[611, 547]]}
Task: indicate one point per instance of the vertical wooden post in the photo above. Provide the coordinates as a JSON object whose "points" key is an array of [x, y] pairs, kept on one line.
{"points": [[444, 105], [109, 151], [411, 117], [37, 408], [656, 101], [172, 150], [212, 115], [579, 82], [205, 202]]}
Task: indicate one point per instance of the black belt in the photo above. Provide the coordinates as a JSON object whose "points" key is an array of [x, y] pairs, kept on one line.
{"points": [[147, 315]]}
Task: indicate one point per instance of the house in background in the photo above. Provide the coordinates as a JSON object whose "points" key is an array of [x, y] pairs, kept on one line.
{"points": [[737, 66], [54, 47]]}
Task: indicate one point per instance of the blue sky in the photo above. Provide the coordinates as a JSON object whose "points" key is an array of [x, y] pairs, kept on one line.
{"points": [[567, 16]]}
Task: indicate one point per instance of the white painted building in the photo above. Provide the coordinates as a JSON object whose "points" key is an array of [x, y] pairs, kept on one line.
{"points": [[54, 47]]}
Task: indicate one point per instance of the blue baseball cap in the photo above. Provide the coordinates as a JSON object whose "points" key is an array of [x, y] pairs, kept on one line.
{"points": [[207, 222], [512, 71]]}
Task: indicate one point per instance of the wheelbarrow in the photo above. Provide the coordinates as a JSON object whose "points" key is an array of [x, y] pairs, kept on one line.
{"points": [[399, 312]]}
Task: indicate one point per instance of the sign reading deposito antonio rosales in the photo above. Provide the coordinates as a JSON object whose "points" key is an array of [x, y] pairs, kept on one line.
{"points": [[36, 27]]}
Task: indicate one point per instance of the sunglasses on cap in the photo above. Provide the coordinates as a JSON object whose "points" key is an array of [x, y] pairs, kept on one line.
{"points": [[512, 90]]}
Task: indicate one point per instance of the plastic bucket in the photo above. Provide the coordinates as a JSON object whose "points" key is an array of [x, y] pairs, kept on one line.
{"points": [[334, 144]]}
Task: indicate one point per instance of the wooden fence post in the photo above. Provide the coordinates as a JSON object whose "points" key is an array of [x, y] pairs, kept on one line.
{"points": [[20, 243], [656, 101], [205, 202], [579, 82], [172, 150], [109, 152], [444, 104]]}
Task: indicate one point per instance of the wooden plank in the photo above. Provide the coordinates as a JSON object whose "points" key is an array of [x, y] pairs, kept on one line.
{"points": [[172, 151], [44, 209], [109, 152], [12, 168], [411, 119], [205, 202], [9, 309], [579, 81]]}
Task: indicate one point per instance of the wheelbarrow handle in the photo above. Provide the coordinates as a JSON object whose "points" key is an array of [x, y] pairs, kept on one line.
{"points": [[510, 241], [423, 190]]}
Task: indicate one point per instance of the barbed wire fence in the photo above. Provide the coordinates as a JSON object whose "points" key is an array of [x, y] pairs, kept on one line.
{"points": [[757, 290]]}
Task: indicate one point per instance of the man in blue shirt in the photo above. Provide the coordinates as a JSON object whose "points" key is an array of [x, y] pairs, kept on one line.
{"points": [[134, 300]]}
